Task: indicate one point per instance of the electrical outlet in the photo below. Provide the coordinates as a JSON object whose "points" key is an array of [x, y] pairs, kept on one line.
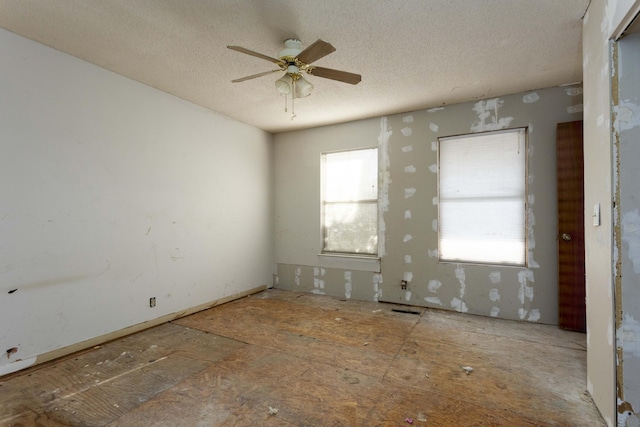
{"points": [[152, 302], [403, 284]]}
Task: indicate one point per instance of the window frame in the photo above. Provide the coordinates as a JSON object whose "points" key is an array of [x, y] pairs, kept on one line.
{"points": [[525, 201], [324, 203]]}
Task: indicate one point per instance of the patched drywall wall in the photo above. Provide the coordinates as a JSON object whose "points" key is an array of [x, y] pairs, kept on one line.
{"points": [[611, 159], [408, 209], [626, 127], [113, 193]]}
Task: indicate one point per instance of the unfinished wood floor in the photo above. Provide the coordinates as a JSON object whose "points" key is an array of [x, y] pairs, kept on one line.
{"points": [[318, 361]]}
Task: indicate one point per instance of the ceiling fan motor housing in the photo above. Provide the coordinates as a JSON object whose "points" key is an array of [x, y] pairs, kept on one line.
{"points": [[292, 47]]}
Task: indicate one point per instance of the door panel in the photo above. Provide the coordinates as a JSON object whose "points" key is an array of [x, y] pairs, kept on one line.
{"points": [[571, 270]]}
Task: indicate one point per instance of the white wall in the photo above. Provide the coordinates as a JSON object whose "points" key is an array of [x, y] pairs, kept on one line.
{"points": [[112, 192], [598, 189]]}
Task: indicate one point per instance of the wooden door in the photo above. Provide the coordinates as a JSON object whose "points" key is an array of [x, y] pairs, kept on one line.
{"points": [[570, 184]]}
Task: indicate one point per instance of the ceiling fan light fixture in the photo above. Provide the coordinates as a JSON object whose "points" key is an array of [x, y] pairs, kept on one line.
{"points": [[284, 84], [303, 88]]}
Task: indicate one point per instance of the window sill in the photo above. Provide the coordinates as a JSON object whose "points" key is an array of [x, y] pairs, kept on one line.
{"points": [[350, 262]]}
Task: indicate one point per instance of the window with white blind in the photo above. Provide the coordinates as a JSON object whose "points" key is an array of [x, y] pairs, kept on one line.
{"points": [[482, 198], [350, 202]]}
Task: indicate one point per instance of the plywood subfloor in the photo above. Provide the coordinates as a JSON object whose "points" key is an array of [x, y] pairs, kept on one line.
{"points": [[317, 361]]}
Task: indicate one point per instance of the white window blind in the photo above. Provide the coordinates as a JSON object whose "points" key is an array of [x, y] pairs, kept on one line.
{"points": [[350, 202], [482, 198]]}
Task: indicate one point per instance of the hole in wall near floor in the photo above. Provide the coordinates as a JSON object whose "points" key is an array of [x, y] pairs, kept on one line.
{"points": [[398, 310]]}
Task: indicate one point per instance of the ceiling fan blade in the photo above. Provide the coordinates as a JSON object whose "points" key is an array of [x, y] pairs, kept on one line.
{"points": [[315, 51], [341, 76], [256, 54], [241, 79]]}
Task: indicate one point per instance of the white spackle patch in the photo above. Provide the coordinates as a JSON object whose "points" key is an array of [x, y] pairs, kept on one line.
{"points": [[495, 277], [408, 276], [522, 313], [322, 271], [434, 145], [575, 109], [433, 127], [409, 192], [433, 300], [461, 276], [347, 276], [433, 168], [348, 288], [406, 131], [407, 214], [385, 163], [297, 276], [488, 119], [408, 118], [433, 110], [534, 315], [407, 259], [318, 284], [628, 336], [494, 311], [434, 201], [627, 115], [407, 148], [410, 169], [531, 238], [433, 253], [494, 294], [573, 91], [434, 285], [459, 305], [530, 98], [316, 271], [631, 236], [407, 296], [377, 290], [524, 277], [406, 238], [434, 225]]}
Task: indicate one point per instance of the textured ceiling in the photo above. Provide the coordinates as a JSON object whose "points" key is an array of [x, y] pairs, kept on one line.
{"points": [[412, 54]]}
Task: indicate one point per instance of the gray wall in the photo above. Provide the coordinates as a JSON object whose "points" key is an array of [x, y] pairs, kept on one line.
{"points": [[626, 127], [408, 219], [610, 168]]}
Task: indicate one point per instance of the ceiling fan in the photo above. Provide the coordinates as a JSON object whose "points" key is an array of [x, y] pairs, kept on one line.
{"points": [[293, 60]]}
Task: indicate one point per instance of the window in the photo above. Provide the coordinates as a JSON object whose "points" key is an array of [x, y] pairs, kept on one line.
{"points": [[482, 198], [350, 202]]}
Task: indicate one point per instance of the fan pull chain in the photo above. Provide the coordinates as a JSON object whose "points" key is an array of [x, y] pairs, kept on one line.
{"points": [[293, 97]]}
